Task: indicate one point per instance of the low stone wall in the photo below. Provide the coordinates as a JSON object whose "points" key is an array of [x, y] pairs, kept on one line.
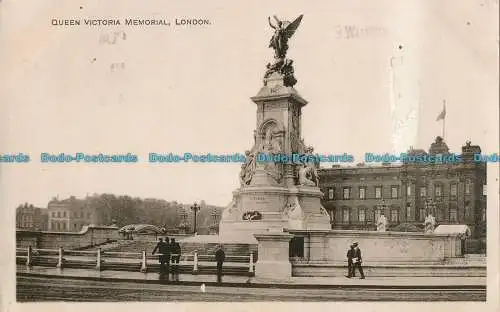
{"points": [[88, 236], [379, 248], [314, 270]]}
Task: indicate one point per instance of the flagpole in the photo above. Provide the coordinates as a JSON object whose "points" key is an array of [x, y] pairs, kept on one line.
{"points": [[444, 119]]}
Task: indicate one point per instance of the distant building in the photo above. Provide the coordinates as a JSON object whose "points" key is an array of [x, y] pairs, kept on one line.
{"points": [[406, 192], [70, 215], [30, 217]]}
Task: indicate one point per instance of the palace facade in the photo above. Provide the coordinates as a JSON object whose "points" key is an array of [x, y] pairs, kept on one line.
{"points": [[407, 192], [70, 215]]}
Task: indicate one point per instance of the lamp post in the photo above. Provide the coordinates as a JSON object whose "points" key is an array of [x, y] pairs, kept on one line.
{"points": [[195, 209]]}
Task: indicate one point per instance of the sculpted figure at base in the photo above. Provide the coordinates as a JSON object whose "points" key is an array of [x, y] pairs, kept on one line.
{"points": [[305, 176], [429, 224], [247, 169], [381, 223]]}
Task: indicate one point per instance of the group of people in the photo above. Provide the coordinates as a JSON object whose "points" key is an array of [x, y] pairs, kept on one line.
{"points": [[354, 261], [169, 252]]}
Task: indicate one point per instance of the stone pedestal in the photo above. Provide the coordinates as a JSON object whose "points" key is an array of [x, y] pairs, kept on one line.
{"points": [[275, 192], [273, 251]]}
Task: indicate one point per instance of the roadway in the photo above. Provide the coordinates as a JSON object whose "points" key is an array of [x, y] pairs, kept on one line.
{"points": [[45, 288]]}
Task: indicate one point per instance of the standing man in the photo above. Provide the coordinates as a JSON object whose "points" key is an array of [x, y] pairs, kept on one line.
{"points": [[166, 256], [160, 247], [176, 255], [350, 264], [357, 264], [220, 255]]}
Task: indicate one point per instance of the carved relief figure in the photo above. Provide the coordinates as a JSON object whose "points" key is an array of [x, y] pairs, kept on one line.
{"points": [[252, 216], [271, 144], [292, 209], [381, 223]]}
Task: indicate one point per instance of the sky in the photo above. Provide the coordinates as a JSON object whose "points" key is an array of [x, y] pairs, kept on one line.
{"points": [[187, 89]]}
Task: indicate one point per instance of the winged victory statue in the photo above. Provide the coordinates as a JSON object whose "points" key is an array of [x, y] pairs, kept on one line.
{"points": [[283, 30]]}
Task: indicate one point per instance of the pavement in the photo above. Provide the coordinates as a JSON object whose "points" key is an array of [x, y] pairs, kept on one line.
{"points": [[256, 282]]}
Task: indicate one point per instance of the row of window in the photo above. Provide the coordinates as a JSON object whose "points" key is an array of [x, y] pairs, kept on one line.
{"points": [[394, 216], [347, 192], [438, 191], [63, 226], [73, 214], [27, 218]]}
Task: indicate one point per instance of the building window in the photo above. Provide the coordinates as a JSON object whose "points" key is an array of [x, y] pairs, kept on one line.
{"points": [[361, 215], [408, 190], [423, 191], [483, 215], [438, 190], [88, 215], [394, 192], [362, 193], [394, 215], [58, 214], [453, 215], [63, 226], [74, 225], [346, 193], [331, 193], [408, 211], [331, 213], [421, 214], [377, 214], [378, 192], [468, 186], [53, 214], [345, 215], [58, 226], [453, 190], [64, 214]]}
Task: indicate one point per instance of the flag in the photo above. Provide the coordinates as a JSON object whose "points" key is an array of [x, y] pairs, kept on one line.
{"points": [[442, 114]]}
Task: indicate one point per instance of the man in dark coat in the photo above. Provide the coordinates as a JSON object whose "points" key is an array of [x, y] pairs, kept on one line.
{"points": [[350, 263], [175, 249], [220, 256], [166, 251], [358, 260], [158, 248]]}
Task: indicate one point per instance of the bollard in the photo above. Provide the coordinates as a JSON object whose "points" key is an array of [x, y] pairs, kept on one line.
{"points": [[195, 260], [29, 259], [60, 258], [250, 269], [98, 260], [144, 267]]}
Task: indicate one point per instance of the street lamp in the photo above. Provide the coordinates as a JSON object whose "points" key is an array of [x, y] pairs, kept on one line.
{"points": [[195, 209]]}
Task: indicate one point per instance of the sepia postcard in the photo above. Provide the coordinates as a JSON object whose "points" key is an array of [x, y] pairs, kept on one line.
{"points": [[242, 156]]}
